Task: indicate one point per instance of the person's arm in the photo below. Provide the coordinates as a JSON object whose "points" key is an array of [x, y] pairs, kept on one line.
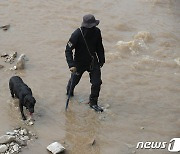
{"points": [[69, 47], [100, 50]]}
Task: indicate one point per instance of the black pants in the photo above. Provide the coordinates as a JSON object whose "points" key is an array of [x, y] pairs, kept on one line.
{"points": [[95, 80]]}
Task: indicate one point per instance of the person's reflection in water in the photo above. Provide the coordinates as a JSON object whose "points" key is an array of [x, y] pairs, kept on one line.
{"points": [[81, 130]]}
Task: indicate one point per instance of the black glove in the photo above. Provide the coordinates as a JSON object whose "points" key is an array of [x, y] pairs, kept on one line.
{"points": [[73, 69]]}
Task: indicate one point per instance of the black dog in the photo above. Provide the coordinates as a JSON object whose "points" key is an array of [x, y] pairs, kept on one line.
{"points": [[24, 93]]}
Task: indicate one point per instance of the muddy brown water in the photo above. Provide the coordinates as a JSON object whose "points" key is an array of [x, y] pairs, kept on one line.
{"points": [[141, 77]]}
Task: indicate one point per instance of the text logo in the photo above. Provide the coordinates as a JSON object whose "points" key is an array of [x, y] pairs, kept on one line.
{"points": [[172, 146]]}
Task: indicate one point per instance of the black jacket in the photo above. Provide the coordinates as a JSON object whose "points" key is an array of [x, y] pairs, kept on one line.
{"points": [[82, 58]]}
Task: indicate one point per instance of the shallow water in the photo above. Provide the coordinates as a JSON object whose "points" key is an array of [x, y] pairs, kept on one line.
{"points": [[141, 77]]}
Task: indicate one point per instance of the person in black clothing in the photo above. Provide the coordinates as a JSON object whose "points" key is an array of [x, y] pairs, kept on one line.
{"points": [[88, 56]]}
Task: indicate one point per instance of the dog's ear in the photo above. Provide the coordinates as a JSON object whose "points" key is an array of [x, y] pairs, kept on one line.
{"points": [[25, 99]]}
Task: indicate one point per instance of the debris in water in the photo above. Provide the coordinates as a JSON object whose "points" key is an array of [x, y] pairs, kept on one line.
{"points": [[5, 27], [9, 58], [55, 148], [143, 35], [92, 142]]}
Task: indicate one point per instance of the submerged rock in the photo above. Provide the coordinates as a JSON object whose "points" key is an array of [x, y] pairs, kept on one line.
{"points": [[92, 142], [1, 66], [55, 148]]}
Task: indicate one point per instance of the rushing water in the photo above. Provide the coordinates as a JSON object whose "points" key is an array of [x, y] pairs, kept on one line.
{"points": [[141, 77]]}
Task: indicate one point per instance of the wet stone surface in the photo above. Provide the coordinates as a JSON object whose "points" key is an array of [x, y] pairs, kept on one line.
{"points": [[14, 141]]}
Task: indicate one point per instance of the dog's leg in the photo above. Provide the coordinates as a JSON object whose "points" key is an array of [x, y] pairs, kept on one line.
{"points": [[11, 90], [12, 93], [21, 109]]}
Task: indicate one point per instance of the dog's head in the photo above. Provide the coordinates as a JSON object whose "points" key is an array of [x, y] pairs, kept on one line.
{"points": [[29, 102]]}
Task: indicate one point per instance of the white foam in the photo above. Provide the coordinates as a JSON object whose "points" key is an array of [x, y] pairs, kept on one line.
{"points": [[177, 60]]}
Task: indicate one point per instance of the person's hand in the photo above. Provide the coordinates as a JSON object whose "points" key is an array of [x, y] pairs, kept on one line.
{"points": [[101, 64], [73, 69]]}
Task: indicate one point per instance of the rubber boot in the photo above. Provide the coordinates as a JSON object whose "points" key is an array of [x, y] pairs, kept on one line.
{"points": [[93, 104]]}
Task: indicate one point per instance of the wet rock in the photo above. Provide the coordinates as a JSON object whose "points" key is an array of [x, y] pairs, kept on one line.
{"points": [[92, 142], [24, 138], [3, 148], [10, 133], [12, 144], [1, 66], [20, 138], [16, 131], [5, 27], [21, 143], [29, 122], [33, 135], [36, 137], [23, 132], [6, 139], [14, 55], [21, 62], [4, 55], [16, 148], [13, 68], [55, 148], [10, 58]]}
